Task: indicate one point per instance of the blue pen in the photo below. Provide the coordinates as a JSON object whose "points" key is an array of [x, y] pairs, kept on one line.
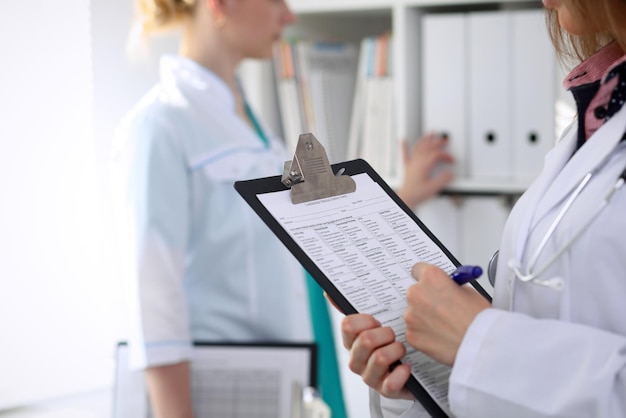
{"points": [[464, 274]]}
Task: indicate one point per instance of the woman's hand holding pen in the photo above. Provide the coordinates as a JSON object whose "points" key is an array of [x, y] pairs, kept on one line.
{"points": [[439, 312]]}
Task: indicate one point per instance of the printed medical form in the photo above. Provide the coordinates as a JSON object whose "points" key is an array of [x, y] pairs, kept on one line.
{"points": [[366, 245]]}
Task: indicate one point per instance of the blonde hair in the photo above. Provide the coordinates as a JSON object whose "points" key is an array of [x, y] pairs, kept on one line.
{"points": [[599, 15], [159, 15]]}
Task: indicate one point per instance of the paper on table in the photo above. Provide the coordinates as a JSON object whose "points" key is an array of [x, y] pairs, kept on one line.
{"points": [[365, 244]]}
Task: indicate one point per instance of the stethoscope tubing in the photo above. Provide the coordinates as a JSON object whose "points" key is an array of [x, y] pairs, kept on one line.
{"points": [[532, 276]]}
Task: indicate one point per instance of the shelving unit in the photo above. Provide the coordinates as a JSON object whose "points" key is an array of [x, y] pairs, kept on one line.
{"points": [[352, 20], [470, 214]]}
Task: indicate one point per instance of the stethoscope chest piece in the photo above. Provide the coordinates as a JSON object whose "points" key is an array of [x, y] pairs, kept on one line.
{"points": [[555, 283], [492, 267]]}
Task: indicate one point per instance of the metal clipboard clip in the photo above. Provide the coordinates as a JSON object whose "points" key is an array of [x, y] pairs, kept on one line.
{"points": [[309, 174]]}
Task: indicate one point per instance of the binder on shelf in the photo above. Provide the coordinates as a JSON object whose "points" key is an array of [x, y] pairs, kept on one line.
{"points": [[444, 82], [377, 141], [320, 76], [490, 95], [534, 93], [358, 103], [332, 76], [301, 65], [488, 80], [288, 94], [372, 128]]}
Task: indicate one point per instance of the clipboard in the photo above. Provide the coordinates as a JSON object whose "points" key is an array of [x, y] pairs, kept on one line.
{"points": [[314, 207], [266, 377]]}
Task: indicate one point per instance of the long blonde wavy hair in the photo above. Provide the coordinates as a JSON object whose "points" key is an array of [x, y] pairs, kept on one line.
{"points": [[604, 17]]}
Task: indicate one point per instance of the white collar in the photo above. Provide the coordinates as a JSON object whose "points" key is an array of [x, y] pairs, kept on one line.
{"points": [[180, 75]]}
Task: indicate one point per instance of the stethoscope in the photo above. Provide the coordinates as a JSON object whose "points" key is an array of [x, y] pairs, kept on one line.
{"points": [[531, 273]]}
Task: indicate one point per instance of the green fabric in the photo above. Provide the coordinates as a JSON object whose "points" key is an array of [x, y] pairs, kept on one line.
{"points": [[257, 126], [328, 379]]}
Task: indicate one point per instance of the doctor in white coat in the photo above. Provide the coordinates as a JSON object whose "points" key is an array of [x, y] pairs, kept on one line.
{"points": [[553, 344]]}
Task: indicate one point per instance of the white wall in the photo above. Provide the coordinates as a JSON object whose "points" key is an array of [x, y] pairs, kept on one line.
{"points": [[65, 83], [93, 404], [57, 299]]}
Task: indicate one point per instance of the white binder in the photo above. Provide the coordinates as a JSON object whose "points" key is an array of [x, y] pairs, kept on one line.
{"points": [[444, 81], [332, 70], [490, 94], [378, 141], [357, 116], [325, 74], [372, 135], [534, 91]]}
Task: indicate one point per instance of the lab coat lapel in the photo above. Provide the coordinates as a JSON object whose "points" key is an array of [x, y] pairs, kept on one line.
{"points": [[567, 175], [524, 216]]}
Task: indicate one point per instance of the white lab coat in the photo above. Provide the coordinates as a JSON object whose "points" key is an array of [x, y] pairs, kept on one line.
{"points": [[545, 352]]}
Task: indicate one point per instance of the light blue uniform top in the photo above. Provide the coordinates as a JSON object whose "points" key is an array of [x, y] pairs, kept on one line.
{"points": [[199, 263]]}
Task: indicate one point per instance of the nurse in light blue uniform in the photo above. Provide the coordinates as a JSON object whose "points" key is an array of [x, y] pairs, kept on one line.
{"points": [[198, 250], [199, 264]]}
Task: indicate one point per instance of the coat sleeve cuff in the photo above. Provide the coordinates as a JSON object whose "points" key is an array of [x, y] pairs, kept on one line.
{"points": [[469, 349], [159, 354]]}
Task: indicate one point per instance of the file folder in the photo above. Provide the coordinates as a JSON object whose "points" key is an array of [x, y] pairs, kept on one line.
{"points": [[228, 380]]}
